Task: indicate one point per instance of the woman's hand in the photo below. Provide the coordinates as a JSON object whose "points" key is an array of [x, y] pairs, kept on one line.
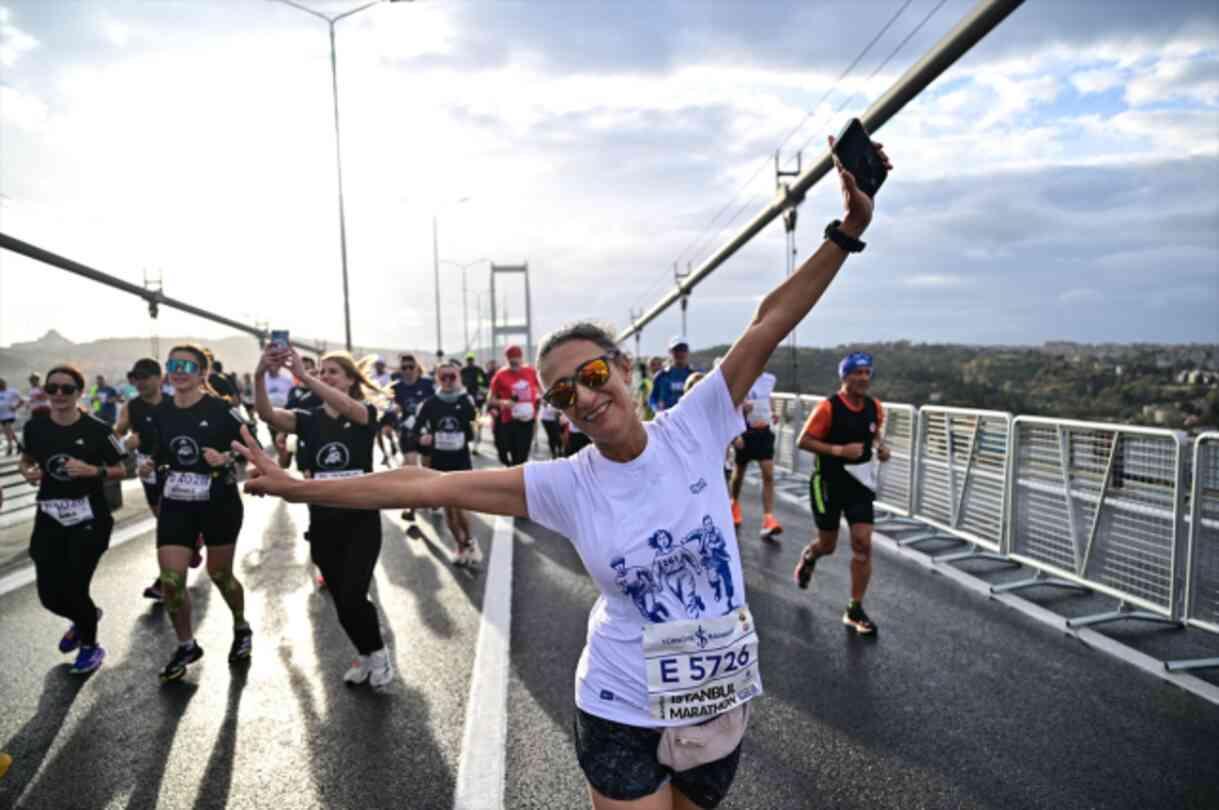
{"points": [[215, 458], [266, 477], [425, 440], [858, 206], [147, 467], [32, 473], [292, 361]]}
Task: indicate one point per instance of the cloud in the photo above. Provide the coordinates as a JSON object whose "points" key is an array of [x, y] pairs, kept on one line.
{"points": [[13, 41], [1096, 81]]}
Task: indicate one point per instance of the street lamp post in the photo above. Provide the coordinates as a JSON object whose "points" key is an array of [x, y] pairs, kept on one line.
{"points": [[436, 270], [465, 306], [338, 151]]}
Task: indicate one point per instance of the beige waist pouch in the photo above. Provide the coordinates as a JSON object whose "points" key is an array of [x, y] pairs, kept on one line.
{"points": [[684, 747]]}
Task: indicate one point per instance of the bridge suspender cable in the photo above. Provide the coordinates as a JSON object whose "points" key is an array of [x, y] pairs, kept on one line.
{"points": [[956, 43], [153, 296]]}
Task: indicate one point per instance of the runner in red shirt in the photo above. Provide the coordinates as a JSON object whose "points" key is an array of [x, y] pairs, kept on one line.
{"points": [[515, 391]]}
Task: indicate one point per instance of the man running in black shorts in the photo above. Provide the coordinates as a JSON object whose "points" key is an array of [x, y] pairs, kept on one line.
{"points": [[842, 431]]}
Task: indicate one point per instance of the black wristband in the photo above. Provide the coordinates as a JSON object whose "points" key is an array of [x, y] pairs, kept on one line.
{"points": [[847, 243]]}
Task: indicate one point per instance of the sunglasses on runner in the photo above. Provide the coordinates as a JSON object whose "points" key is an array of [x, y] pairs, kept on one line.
{"points": [[592, 374], [176, 366], [446, 377], [67, 389]]}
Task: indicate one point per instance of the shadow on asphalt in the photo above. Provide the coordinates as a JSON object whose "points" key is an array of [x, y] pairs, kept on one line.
{"points": [[214, 790], [29, 746]]}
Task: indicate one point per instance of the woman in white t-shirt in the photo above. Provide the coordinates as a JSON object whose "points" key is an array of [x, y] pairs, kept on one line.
{"points": [[671, 656]]}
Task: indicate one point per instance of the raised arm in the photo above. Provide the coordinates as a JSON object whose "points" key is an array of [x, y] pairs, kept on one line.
{"points": [[352, 409], [791, 301], [497, 492], [278, 418]]}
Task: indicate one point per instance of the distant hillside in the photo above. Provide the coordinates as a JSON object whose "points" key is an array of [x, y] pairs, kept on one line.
{"points": [[113, 357]]}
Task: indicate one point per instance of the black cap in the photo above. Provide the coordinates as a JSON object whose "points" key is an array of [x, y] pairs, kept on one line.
{"points": [[146, 367]]}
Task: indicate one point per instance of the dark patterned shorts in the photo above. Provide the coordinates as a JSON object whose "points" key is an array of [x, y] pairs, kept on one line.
{"points": [[620, 763]]}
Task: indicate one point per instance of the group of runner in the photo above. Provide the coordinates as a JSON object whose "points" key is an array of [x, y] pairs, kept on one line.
{"points": [[663, 687]]}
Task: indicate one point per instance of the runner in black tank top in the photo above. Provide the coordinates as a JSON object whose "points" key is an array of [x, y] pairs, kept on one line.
{"points": [[335, 441], [69, 454], [197, 474], [844, 432], [137, 418], [445, 424]]}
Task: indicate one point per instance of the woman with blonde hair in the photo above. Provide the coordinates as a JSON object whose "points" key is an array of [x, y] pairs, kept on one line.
{"points": [[335, 440]]}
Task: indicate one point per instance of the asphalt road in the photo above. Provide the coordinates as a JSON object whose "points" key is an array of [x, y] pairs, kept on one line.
{"points": [[959, 701]]}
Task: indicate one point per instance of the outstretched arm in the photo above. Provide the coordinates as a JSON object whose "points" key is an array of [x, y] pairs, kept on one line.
{"points": [[791, 301], [355, 411], [497, 492], [278, 418]]}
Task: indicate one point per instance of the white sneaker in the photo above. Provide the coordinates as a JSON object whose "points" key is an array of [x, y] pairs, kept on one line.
{"points": [[361, 668], [474, 555], [381, 670], [460, 558]]}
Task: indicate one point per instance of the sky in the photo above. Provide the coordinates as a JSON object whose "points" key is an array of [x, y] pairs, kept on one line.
{"points": [[1060, 182]]}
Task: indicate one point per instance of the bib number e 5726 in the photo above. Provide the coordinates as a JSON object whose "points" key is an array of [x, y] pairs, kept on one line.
{"points": [[701, 667]]}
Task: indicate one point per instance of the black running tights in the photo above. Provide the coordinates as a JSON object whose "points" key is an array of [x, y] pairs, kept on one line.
{"points": [[65, 558], [346, 556]]}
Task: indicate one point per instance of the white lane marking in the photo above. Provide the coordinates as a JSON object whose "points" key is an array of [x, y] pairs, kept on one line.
{"points": [[129, 531], [480, 773]]}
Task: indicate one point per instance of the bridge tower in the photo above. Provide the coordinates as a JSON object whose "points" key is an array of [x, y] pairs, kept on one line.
{"points": [[509, 330]]}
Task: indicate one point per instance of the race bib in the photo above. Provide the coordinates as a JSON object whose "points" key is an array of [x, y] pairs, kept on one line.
{"points": [[700, 668], [449, 441], [522, 411], [327, 475], [863, 473], [68, 511], [151, 478], [187, 486]]}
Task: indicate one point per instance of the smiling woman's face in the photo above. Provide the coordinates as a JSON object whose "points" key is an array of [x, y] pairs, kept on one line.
{"points": [[607, 414]]}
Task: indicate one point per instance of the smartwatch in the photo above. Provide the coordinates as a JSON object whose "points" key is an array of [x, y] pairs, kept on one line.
{"points": [[847, 243]]}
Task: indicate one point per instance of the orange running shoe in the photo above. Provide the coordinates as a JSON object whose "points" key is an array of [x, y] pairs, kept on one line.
{"points": [[737, 518], [771, 528]]}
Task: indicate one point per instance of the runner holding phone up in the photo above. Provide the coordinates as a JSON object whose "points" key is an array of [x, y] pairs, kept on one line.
{"points": [[671, 658]]}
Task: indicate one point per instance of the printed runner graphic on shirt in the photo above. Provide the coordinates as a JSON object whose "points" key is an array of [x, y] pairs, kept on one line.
{"points": [[689, 579]]}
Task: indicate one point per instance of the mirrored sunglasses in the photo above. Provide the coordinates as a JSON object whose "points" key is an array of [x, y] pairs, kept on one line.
{"points": [[592, 374], [177, 366]]}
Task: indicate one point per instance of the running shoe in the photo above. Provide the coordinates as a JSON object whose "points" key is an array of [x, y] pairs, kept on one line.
{"points": [[88, 660], [71, 639], [183, 657], [154, 592], [408, 515], [381, 670], [197, 558], [737, 517], [771, 528], [804, 568], [243, 643], [6, 762], [857, 620], [461, 558], [359, 671]]}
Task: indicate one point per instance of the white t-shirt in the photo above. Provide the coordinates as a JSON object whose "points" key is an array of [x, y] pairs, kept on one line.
{"points": [[549, 413], [655, 534], [278, 386], [8, 405], [759, 398]]}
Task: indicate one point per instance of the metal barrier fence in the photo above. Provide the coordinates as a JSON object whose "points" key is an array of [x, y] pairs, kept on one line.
{"points": [[1202, 594], [895, 478], [961, 476], [1099, 506]]}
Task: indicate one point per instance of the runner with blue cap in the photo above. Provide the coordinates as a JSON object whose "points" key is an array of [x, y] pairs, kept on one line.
{"points": [[843, 431]]}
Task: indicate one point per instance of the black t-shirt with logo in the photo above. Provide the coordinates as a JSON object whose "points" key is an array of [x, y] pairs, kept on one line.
{"points": [[51, 445], [410, 395], [451, 427], [139, 416], [181, 436], [331, 447], [302, 398]]}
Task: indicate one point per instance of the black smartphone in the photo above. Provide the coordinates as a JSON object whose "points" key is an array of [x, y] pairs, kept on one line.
{"points": [[859, 157]]}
